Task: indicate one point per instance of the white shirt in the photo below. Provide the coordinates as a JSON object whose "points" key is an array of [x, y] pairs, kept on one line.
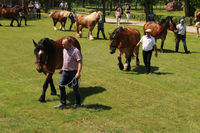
{"points": [[181, 29], [147, 43]]}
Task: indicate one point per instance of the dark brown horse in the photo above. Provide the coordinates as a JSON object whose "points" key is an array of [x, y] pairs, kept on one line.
{"points": [[125, 41], [87, 21], [49, 57], [12, 14], [159, 30], [61, 16]]}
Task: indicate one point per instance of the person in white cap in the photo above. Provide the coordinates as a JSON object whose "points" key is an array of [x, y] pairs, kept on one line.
{"points": [[148, 45], [181, 35]]}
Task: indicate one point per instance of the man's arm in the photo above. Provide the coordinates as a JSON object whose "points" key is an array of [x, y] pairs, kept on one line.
{"points": [[78, 74], [155, 49]]}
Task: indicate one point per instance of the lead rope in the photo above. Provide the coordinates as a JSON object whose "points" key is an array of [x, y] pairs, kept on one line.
{"points": [[72, 83]]}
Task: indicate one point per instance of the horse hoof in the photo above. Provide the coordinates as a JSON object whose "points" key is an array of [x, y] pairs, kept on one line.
{"points": [[53, 93], [41, 100], [121, 67]]}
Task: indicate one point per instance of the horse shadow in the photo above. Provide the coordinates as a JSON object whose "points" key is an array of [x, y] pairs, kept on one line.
{"points": [[85, 92], [167, 51], [142, 70]]}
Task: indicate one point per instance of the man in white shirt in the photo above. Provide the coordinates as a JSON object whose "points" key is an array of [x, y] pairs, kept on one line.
{"points": [[148, 44], [181, 35]]}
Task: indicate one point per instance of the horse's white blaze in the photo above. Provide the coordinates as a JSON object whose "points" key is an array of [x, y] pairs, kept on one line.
{"points": [[40, 52]]}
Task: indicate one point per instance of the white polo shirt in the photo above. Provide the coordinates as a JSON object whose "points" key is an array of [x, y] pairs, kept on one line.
{"points": [[181, 29], [147, 43]]}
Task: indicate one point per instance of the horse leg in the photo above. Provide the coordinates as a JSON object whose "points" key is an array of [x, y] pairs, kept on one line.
{"points": [[136, 51], [77, 29], [63, 25], [121, 67], [11, 24], [162, 44], [80, 31], [90, 33], [45, 86], [128, 60], [53, 90], [54, 24]]}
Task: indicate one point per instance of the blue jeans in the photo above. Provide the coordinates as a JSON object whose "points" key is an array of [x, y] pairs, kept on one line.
{"points": [[147, 60], [102, 31], [67, 77], [183, 38]]}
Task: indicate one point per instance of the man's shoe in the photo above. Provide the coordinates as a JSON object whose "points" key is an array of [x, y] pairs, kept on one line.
{"points": [[187, 52], [60, 106]]}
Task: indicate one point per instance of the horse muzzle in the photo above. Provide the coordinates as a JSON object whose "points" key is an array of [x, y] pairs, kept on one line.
{"points": [[112, 51], [39, 69]]}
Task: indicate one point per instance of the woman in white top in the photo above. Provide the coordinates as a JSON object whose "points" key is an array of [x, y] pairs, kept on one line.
{"points": [[148, 44]]}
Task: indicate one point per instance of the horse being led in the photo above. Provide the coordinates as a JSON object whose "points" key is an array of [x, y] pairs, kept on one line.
{"points": [[49, 56], [125, 41], [60, 16], [159, 30], [87, 21], [12, 14]]}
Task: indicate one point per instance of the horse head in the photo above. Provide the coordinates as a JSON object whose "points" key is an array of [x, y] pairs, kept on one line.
{"points": [[42, 51], [99, 15], [114, 39], [172, 25]]}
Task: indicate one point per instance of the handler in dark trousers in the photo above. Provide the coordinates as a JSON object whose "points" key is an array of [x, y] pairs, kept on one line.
{"points": [[71, 72], [149, 44], [181, 35]]}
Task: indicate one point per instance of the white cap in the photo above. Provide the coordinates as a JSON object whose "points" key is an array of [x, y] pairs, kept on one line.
{"points": [[148, 30]]}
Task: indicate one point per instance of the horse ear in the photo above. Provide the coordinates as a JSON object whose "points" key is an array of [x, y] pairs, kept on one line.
{"points": [[35, 44]]}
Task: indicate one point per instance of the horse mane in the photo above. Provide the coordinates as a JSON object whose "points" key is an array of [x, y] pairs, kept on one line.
{"points": [[47, 45], [117, 30], [65, 13], [94, 15]]}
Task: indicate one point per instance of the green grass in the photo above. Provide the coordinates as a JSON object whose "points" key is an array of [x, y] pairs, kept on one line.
{"points": [[114, 101]]}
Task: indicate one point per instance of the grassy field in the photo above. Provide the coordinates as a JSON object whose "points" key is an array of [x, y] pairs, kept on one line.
{"points": [[168, 100]]}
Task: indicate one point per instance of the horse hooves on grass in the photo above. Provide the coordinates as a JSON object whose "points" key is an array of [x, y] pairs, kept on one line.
{"points": [[53, 93], [41, 100], [121, 67]]}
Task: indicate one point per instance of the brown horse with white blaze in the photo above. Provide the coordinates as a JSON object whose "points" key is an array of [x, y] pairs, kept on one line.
{"points": [[125, 41], [60, 16], [49, 57], [87, 21], [159, 30]]}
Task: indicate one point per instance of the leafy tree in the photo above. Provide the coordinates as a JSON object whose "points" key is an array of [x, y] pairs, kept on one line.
{"points": [[148, 5], [189, 8]]}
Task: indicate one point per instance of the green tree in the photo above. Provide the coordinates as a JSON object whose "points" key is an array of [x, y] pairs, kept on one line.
{"points": [[148, 5]]}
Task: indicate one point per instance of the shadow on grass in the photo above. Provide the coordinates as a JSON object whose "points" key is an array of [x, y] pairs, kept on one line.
{"points": [[142, 70], [85, 92]]}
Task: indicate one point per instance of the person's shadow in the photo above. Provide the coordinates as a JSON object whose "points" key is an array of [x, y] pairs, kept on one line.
{"points": [[142, 70], [85, 92]]}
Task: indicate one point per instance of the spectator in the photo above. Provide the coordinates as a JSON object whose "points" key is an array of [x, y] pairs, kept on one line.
{"points": [[38, 6], [118, 16], [31, 7], [152, 15], [65, 6], [127, 10], [181, 35], [62, 5], [197, 22]]}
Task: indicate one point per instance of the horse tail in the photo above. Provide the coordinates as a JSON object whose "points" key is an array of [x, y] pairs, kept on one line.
{"points": [[51, 14]]}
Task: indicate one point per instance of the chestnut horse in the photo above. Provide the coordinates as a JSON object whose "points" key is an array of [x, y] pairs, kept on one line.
{"points": [[12, 14], [49, 57], [60, 16], [159, 30], [87, 21], [125, 41]]}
